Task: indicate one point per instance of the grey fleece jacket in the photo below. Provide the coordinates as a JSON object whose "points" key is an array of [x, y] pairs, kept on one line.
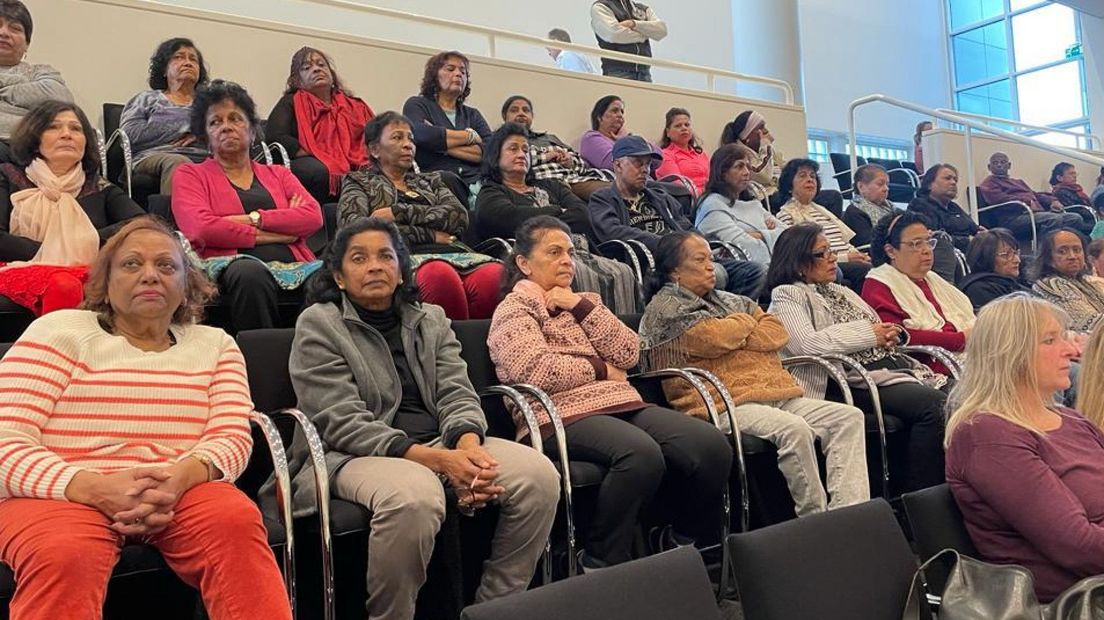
{"points": [[347, 385]]}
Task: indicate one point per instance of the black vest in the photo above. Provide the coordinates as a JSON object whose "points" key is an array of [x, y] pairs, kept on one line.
{"points": [[621, 68]]}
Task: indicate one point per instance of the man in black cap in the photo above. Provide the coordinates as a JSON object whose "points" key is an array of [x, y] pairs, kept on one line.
{"points": [[635, 207]]}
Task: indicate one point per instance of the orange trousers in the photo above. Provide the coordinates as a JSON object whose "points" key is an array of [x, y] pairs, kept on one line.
{"points": [[62, 554]]}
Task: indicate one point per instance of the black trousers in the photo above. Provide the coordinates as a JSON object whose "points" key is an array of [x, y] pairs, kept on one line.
{"points": [[1046, 221], [314, 176], [251, 292], [639, 449]]}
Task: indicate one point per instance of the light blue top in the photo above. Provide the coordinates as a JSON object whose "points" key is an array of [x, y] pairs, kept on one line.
{"points": [[573, 61], [732, 222]]}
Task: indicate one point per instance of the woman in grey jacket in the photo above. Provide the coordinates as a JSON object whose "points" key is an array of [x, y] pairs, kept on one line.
{"points": [[381, 377], [728, 212], [823, 317]]}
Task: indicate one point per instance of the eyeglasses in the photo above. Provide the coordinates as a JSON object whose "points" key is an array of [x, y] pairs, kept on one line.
{"points": [[1069, 250], [1008, 254], [919, 244], [823, 254]]}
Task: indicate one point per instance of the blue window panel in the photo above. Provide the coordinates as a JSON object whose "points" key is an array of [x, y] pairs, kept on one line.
{"points": [[980, 53], [966, 12], [991, 100]]}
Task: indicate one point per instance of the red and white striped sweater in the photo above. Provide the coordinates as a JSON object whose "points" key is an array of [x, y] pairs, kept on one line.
{"points": [[74, 397]]}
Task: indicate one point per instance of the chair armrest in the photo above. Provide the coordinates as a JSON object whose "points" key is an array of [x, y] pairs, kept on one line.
{"points": [[282, 476], [694, 381], [938, 353], [494, 246], [851, 364], [1091, 211], [733, 250], [620, 251], [833, 372], [519, 401], [128, 156], [645, 255], [285, 159]]}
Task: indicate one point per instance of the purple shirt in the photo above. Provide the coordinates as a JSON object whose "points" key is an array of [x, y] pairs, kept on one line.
{"points": [[1033, 500], [597, 150]]}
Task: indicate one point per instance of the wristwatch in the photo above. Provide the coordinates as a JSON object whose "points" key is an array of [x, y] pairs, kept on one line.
{"points": [[255, 218], [206, 460]]}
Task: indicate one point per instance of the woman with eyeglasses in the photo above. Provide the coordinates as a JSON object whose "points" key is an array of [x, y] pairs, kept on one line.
{"points": [[1062, 277], [994, 260], [903, 289]]}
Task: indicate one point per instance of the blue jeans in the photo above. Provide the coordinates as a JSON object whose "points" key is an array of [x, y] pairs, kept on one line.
{"points": [[741, 277]]}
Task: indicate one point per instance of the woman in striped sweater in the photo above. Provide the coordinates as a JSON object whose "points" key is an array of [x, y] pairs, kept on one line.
{"points": [[126, 421]]}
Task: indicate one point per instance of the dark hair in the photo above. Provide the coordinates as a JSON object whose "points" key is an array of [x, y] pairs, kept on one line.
{"points": [[492, 150], [732, 130], [888, 230], [298, 58], [719, 164], [321, 286], [526, 238], [510, 101], [1058, 171], [664, 141], [559, 34], [789, 172], [1096, 248], [16, 11], [981, 256], [668, 255], [159, 62], [929, 177], [1100, 179], [27, 135], [868, 172], [216, 92], [373, 129], [1044, 267], [793, 254], [918, 135], [430, 88], [600, 108]]}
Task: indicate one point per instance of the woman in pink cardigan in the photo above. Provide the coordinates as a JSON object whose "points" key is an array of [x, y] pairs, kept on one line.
{"points": [[248, 221], [577, 351]]}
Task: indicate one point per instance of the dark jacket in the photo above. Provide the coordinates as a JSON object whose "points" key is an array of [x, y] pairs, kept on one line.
{"points": [[610, 216], [951, 219], [499, 210], [430, 125], [984, 287]]}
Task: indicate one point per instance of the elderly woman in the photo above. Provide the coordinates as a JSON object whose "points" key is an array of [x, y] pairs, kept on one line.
{"points": [[994, 260], [798, 188], [429, 216], [825, 318], [577, 351], [683, 154], [935, 201], [870, 204], [55, 208], [905, 291], [1062, 276], [145, 456], [607, 124], [158, 121], [250, 221], [22, 85], [449, 133], [320, 124], [1064, 185], [380, 375], [1018, 463], [729, 212], [688, 322]]}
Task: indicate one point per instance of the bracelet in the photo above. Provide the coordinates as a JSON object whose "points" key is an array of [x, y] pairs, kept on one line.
{"points": [[473, 135]]}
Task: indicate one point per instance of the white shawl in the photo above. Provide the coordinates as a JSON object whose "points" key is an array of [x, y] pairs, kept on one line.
{"points": [[955, 304]]}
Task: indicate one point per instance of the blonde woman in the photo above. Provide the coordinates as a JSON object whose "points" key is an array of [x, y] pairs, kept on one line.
{"points": [[1090, 394], [1025, 471]]}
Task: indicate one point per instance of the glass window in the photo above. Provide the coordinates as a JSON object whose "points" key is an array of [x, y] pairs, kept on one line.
{"points": [[991, 100], [1051, 95], [1023, 4], [818, 150], [966, 12], [1042, 36], [980, 53], [1062, 139]]}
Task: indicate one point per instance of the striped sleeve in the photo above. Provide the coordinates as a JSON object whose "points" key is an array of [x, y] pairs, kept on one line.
{"points": [[33, 376], [805, 339], [226, 439]]}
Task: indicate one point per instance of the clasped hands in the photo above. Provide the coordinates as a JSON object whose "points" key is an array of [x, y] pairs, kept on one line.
{"points": [[472, 471]]}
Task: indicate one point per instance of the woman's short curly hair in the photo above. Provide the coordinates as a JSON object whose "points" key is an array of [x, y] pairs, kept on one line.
{"points": [[216, 92], [430, 88], [159, 62], [198, 289]]}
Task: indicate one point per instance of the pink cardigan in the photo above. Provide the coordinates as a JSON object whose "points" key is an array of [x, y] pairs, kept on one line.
{"points": [[202, 195]]}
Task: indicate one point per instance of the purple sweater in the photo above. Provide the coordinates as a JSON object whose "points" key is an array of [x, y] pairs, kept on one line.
{"points": [[1033, 500]]}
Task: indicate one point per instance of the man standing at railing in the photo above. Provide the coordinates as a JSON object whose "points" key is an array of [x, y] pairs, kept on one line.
{"points": [[628, 27]]}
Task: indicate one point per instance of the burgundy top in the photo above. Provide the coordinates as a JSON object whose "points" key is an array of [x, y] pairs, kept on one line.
{"points": [[1033, 500]]}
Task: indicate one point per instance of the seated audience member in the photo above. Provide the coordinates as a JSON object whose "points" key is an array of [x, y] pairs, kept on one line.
{"points": [[250, 221], [1098, 192], [917, 141], [994, 261], [55, 208], [551, 158], [607, 124], [576, 350], [1019, 464], [1090, 389], [1064, 185], [380, 375], [320, 124], [870, 203], [682, 151], [797, 187], [23, 85], [633, 208], [935, 201], [1062, 277], [1096, 258], [688, 322], [449, 133], [728, 211], [429, 217], [904, 290], [179, 407], [823, 318], [158, 121], [567, 59], [998, 187]]}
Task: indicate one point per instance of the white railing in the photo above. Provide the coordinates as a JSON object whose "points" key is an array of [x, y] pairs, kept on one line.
{"points": [[970, 126], [1089, 138], [494, 35]]}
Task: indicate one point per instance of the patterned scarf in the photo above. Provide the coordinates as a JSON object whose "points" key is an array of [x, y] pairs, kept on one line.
{"points": [[1076, 189], [673, 311], [873, 210]]}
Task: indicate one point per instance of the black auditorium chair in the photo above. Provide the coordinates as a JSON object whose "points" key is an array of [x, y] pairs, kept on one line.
{"points": [[841, 166], [936, 524], [118, 167], [903, 181]]}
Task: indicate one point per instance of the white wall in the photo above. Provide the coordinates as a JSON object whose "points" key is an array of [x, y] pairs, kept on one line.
{"points": [[1092, 39], [855, 48]]}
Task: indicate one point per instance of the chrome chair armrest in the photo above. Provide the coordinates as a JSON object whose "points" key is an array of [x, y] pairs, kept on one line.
{"points": [[284, 157], [962, 264], [732, 249], [282, 476], [646, 258], [128, 156], [1091, 211], [494, 246], [875, 398], [265, 155], [1027, 209], [833, 371], [914, 179], [937, 353], [619, 250]]}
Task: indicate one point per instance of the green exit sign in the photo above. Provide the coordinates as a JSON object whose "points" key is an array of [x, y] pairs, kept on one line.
{"points": [[1073, 51]]}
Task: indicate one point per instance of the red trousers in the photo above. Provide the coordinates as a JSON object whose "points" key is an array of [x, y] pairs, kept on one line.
{"points": [[62, 554], [473, 295]]}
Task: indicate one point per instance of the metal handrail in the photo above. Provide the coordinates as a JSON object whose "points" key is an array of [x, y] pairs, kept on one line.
{"points": [[1089, 137], [970, 125]]}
